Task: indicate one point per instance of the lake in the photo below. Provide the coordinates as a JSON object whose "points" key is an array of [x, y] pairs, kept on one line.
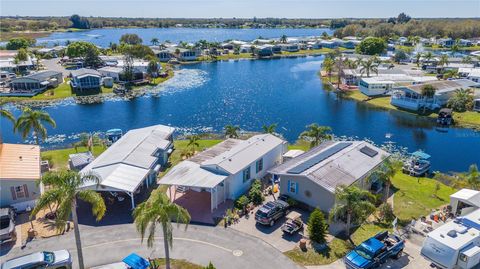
{"points": [[103, 37], [205, 97]]}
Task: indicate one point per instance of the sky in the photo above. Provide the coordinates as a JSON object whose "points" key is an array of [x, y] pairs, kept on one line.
{"points": [[242, 8]]}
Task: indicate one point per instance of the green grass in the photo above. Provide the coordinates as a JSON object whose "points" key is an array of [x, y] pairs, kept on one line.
{"points": [[59, 157], [366, 231], [336, 249], [300, 144], [177, 264], [383, 102], [414, 197], [467, 118]]}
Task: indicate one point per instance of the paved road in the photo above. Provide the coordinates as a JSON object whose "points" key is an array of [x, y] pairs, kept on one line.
{"points": [[226, 248]]}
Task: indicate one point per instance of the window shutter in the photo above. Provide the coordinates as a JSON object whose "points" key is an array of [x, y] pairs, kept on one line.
{"points": [[14, 195], [25, 189], [288, 186], [296, 187]]}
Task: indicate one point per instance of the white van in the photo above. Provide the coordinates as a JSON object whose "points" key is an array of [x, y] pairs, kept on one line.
{"points": [[60, 259]]}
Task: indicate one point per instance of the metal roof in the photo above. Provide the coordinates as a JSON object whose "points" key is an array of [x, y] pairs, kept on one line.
{"points": [[190, 174], [40, 76], [81, 159], [445, 85], [84, 72], [342, 167], [125, 163]]}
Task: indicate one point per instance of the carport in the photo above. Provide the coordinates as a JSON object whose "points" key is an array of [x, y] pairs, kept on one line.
{"points": [[188, 176], [465, 201]]}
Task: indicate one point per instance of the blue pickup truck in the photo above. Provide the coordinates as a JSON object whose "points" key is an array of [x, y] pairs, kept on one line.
{"points": [[375, 251]]}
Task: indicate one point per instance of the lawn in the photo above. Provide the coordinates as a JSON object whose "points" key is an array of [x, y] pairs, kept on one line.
{"points": [[300, 144], [177, 264], [59, 157], [383, 102], [336, 249], [414, 197]]}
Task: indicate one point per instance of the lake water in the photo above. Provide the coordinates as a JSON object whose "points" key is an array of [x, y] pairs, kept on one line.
{"points": [[103, 37], [207, 96]]}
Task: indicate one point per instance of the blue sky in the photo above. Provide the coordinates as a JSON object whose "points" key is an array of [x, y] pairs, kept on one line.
{"points": [[242, 8]]}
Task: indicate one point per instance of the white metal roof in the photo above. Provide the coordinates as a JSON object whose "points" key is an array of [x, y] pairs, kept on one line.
{"points": [[243, 154], [125, 164], [190, 174], [467, 196], [293, 153]]}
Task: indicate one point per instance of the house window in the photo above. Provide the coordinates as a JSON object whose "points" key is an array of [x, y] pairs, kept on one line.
{"points": [[259, 165], [292, 186], [20, 192], [246, 174]]}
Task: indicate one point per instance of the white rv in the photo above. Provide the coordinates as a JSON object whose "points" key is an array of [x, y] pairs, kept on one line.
{"points": [[456, 244]]}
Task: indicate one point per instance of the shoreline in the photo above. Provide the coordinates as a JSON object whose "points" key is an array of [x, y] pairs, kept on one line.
{"points": [[383, 102]]}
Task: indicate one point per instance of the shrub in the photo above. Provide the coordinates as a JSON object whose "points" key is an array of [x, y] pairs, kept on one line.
{"points": [[292, 202], [255, 194], [209, 266], [317, 227], [386, 213], [241, 202]]}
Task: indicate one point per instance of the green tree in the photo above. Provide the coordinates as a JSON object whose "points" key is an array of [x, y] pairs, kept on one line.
{"points": [[64, 190], [209, 266], [79, 22], [328, 65], [131, 39], [7, 115], [452, 73], [19, 43], [79, 49], [154, 41], [231, 131], [371, 46], [399, 56], [352, 203], [159, 210], [418, 56], [427, 91], [386, 172], [32, 121], [428, 56], [269, 129], [443, 60], [386, 213], [22, 55], [283, 39], [92, 58], [255, 193], [467, 59], [472, 177], [193, 142], [152, 68], [317, 227], [461, 101], [369, 66], [315, 134], [128, 70]]}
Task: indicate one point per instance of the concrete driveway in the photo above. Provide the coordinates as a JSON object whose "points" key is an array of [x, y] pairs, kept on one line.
{"points": [[225, 248]]}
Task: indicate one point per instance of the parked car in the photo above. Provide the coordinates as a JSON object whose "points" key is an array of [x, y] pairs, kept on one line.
{"points": [[60, 259], [293, 224], [7, 225], [375, 251], [268, 213]]}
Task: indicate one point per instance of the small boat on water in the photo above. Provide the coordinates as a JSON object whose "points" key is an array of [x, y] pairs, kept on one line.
{"points": [[113, 135], [445, 117], [418, 164]]}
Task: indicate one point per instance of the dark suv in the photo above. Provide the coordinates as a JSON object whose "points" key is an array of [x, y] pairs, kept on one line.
{"points": [[268, 213], [7, 225]]}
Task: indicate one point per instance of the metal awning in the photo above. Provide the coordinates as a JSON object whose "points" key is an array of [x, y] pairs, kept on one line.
{"points": [[190, 174]]}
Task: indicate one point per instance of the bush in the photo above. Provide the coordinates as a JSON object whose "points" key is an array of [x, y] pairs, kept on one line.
{"points": [[209, 266], [386, 213], [19, 43], [292, 202], [317, 227], [255, 194], [241, 202]]}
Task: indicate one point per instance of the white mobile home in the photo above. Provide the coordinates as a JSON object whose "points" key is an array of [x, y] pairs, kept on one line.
{"points": [[455, 244], [375, 86]]}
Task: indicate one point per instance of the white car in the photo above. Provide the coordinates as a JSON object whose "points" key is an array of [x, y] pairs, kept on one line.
{"points": [[60, 259]]}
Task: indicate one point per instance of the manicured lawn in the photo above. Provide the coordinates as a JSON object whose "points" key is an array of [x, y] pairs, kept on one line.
{"points": [[366, 231], [177, 264], [336, 249], [468, 118], [300, 144], [383, 102], [414, 197], [62, 91], [59, 157]]}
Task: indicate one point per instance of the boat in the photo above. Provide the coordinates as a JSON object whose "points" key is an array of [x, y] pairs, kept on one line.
{"points": [[113, 135], [445, 117], [417, 165]]}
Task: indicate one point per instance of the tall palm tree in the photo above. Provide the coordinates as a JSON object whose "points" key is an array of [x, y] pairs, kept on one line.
{"points": [[443, 60], [154, 41], [158, 209], [33, 121], [193, 142], [452, 73], [283, 39], [64, 191], [231, 131], [353, 203], [418, 56], [269, 129], [328, 65], [368, 66], [386, 172], [316, 134], [428, 56]]}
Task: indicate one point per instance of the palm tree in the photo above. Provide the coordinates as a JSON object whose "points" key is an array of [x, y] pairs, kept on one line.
{"points": [[316, 134], [428, 56], [152, 69], [443, 60], [154, 41], [283, 39], [32, 121], [386, 172], [193, 142], [88, 141], [418, 56], [467, 59], [269, 129], [64, 191], [368, 66], [461, 100], [231, 131], [427, 91], [7, 115], [450, 74], [158, 209], [353, 203], [472, 177], [328, 65]]}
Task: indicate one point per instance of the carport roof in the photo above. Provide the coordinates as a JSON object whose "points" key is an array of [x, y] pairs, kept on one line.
{"points": [[190, 174]]}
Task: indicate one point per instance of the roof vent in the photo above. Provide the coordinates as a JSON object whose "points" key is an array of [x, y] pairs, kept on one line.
{"points": [[452, 233], [229, 160], [20, 158]]}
